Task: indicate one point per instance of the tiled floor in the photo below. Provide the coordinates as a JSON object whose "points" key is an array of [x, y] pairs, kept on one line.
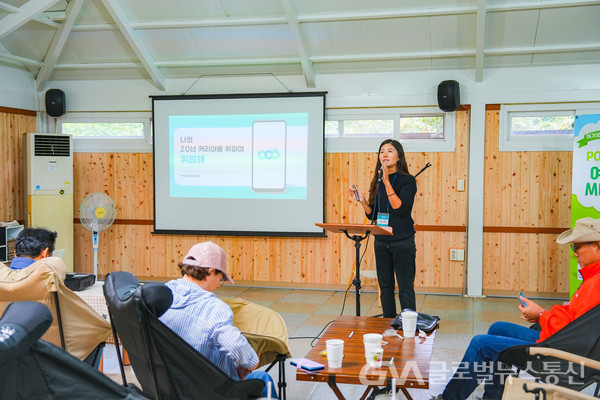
{"points": [[306, 312]]}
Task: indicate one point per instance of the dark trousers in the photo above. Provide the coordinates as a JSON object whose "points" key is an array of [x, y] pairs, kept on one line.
{"points": [[396, 258]]}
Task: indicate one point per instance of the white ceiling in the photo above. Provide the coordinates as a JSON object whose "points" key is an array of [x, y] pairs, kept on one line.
{"points": [[159, 40]]}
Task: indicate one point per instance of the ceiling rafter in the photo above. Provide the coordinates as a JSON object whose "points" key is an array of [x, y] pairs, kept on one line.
{"points": [[537, 5], [58, 43], [480, 40], [225, 8], [26, 12], [136, 44], [50, 18], [543, 49], [46, 21], [331, 59], [215, 62], [194, 23], [33, 66], [106, 65], [8, 8], [11, 58], [394, 56], [299, 42], [367, 15]]}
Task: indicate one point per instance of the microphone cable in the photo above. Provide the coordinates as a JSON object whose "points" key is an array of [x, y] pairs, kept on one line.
{"points": [[318, 335]]}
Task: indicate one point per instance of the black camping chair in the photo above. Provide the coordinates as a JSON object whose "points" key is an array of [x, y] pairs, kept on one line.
{"points": [[569, 358], [166, 366], [34, 369]]}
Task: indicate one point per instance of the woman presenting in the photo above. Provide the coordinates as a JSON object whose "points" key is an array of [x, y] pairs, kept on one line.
{"points": [[391, 197]]}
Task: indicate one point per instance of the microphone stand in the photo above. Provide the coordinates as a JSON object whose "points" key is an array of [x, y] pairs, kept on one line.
{"points": [[423, 169]]}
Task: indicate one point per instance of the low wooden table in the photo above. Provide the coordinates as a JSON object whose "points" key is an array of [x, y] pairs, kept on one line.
{"points": [[412, 357]]}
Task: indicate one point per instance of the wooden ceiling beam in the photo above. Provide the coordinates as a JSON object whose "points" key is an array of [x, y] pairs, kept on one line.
{"points": [[299, 42], [26, 12], [480, 40], [58, 43], [132, 37]]}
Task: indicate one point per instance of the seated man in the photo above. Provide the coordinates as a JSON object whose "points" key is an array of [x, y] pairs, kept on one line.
{"points": [[485, 349], [32, 244], [204, 321]]}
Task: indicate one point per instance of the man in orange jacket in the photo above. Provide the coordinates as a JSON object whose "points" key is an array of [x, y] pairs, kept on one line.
{"points": [[482, 353]]}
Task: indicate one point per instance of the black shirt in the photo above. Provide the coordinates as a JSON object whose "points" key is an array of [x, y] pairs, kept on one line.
{"points": [[401, 220]]}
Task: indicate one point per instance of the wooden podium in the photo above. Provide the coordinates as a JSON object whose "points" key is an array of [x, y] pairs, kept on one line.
{"points": [[359, 233]]}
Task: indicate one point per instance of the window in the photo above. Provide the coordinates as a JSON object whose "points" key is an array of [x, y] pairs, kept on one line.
{"points": [[104, 129], [540, 127], [422, 127], [418, 129], [108, 132]]}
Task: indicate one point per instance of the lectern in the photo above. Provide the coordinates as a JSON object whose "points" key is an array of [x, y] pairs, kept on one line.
{"points": [[359, 233]]}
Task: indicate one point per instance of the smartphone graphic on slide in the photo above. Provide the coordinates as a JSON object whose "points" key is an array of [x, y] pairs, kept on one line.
{"points": [[269, 140]]}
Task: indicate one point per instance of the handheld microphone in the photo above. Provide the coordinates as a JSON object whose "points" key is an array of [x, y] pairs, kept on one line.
{"points": [[381, 172], [355, 192]]}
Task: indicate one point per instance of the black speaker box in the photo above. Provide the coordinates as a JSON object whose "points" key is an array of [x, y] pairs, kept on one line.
{"points": [[55, 103], [448, 96], [76, 282]]}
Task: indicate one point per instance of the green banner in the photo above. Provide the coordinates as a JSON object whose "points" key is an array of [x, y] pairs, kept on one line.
{"points": [[588, 137], [585, 201]]}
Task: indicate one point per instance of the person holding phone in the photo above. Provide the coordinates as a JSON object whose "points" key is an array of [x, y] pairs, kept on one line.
{"points": [[483, 351], [391, 198]]}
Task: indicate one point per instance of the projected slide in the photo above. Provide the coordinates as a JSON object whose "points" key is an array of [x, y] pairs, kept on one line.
{"points": [[239, 164], [249, 156]]}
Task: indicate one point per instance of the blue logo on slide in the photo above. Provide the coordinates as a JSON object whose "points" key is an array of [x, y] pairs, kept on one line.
{"points": [[268, 154]]}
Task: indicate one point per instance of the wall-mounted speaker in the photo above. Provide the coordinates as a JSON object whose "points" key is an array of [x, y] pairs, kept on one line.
{"points": [[448, 96], [55, 103]]}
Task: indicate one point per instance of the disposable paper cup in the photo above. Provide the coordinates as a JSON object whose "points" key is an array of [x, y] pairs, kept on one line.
{"points": [[335, 352], [409, 323], [371, 341], [375, 357]]}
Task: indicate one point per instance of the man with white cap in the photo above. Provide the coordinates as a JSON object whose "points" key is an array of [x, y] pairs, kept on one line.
{"points": [[204, 321], [483, 351]]}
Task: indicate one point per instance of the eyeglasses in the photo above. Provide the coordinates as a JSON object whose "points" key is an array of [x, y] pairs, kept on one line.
{"points": [[221, 282], [576, 246]]}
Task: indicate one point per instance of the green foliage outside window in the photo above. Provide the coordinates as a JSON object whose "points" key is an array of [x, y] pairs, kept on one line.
{"points": [[548, 125], [104, 129], [431, 127], [379, 127], [332, 129]]}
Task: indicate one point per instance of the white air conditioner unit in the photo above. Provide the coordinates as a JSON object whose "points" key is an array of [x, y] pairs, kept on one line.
{"points": [[49, 187]]}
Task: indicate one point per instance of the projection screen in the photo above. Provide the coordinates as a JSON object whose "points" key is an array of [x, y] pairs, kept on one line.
{"points": [[249, 164]]}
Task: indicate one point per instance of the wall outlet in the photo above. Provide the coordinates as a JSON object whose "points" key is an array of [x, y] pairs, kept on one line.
{"points": [[460, 185], [457, 255]]}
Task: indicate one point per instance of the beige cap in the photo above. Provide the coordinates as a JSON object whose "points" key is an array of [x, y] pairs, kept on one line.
{"points": [[585, 230], [207, 255]]}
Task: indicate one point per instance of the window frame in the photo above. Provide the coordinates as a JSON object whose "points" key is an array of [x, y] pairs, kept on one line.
{"points": [[369, 144], [508, 142], [110, 144]]}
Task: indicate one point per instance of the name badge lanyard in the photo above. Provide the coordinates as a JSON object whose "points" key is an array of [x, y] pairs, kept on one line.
{"points": [[383, 219]]}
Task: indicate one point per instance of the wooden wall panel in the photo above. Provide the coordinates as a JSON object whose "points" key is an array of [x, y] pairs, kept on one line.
{"points": [[13, 126], [524, 189], [284, 261]]}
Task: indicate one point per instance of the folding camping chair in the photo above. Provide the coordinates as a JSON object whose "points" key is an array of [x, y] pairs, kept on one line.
{"points": [[569, 358], [267, 334], [32, 368], [165, 365], [76, 326], [520, 389]]}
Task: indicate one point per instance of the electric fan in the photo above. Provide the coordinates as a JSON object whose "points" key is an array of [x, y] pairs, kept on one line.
{"points": [[97, 213]]}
